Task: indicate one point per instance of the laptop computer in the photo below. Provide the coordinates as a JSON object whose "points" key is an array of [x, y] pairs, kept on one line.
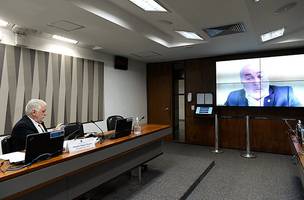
{"points": [[123, 127], [43, 146], [73, 131]]}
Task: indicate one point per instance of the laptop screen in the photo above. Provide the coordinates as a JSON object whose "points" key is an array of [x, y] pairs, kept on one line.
{"points": [[73, 130], [44, 145], [123, 127]]}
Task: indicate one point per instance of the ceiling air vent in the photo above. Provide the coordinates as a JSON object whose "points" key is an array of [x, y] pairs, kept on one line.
{"points": [[65, 25], [225, 30]]}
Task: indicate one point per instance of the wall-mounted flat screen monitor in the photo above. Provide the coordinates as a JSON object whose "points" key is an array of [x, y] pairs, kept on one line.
{"points": [[262, 82], [203, 110]]}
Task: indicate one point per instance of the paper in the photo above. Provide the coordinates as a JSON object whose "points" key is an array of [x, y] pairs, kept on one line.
{"points": [[200, 98], [13, 157]]}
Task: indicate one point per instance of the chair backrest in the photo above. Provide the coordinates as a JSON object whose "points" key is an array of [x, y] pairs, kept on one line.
{"points": [[111, 121], [6, 145]]}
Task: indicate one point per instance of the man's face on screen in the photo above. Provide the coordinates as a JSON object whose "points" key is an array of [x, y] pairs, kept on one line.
{"points": [[255, 81]]}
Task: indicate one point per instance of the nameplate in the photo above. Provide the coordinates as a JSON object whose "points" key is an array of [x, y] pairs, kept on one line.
{"points": [[80, 144]]}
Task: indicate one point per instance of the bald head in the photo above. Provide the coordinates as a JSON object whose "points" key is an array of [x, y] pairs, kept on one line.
{"points": [[254, 80]]}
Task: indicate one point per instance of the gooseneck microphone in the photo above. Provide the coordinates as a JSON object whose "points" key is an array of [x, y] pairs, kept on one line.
{"points": [[102, 133]]}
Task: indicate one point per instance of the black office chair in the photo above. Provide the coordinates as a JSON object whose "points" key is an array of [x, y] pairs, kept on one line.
{"points": [[6, 145], [111, 121]]}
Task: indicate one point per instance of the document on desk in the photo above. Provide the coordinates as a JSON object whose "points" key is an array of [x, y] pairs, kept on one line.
{"points": [[13, 157]]}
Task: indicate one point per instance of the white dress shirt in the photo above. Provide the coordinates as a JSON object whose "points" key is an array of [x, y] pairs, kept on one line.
{"points": [[38, 126]]}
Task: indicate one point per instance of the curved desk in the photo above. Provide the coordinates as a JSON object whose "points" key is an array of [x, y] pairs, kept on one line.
{"points": [[71, 174], [298, 152]]}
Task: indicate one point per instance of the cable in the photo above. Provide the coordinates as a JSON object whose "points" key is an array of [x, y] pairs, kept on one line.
{"points": [[47, 156]]}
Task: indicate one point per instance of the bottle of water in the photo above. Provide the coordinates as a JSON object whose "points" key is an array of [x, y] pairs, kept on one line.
{"points": [[299, 131], [137, 128]]}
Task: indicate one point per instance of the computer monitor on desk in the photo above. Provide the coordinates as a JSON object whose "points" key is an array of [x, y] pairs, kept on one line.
{"points": [[40, 146], [123, 128], [73, 130]]}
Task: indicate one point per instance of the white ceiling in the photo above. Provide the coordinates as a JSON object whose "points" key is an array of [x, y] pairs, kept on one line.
{"points": [[132, 41]]}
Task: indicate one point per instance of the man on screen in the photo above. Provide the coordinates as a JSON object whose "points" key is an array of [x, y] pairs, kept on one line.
{"points": [[258, 92]]}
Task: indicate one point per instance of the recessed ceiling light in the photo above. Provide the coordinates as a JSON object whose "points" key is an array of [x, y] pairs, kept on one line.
{"points": [[190, 35], [149, 5], [3, 23], [272, 35], [57, 37]]}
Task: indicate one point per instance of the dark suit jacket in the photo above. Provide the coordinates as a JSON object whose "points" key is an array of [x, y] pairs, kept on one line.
{"points": [[278, 96], [21, 129]]}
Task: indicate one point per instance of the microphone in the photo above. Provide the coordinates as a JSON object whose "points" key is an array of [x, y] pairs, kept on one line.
{"points": [[143, 117], [102, 133]]}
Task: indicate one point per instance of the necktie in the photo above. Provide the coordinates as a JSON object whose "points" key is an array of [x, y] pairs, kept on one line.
{"points": [[41, 127]]}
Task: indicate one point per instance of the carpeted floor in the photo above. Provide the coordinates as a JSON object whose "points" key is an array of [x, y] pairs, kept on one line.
{"points": [[268, 177], [168, 177]]}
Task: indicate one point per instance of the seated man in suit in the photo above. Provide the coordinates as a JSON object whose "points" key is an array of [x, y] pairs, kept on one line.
{"points": [[31, 122], [258, 92]]}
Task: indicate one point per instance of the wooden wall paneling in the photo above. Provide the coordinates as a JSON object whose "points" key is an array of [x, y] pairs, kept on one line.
{"points": [[199, 77], [269, 135], [232, 133]]}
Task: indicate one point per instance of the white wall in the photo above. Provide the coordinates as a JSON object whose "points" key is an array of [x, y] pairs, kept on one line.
{"points": [[124, 91]]}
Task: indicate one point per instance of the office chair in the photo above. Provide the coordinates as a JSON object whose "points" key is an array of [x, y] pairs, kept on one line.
{"points": [[111, 121], [6, 145]]}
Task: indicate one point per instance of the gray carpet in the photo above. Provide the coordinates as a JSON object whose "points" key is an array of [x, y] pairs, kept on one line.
{"points": [[268, 177], [167, 177]]}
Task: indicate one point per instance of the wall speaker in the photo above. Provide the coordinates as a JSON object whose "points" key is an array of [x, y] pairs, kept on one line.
{"points": [[121, 63]]}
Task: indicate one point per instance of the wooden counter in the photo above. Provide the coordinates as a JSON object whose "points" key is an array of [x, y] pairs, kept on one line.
{"points": [[76, 173], [298, 152]]}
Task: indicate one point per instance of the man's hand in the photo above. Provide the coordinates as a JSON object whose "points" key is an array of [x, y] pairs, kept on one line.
{"points": [[59, 126]]}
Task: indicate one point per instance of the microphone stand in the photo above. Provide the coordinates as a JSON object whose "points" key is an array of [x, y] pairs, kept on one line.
{"points": [[102, 133]]}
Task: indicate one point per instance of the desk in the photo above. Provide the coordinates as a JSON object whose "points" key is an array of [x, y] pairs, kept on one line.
{"points": [[71, 174], [298, 152]]}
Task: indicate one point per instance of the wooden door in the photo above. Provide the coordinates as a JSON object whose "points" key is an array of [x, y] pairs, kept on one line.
{"points": [[160, 90]]}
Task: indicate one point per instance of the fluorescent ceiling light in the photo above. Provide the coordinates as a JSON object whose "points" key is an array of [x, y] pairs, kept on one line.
{"points": [[272, 35], [149, 5], [190, 35], [3, 23], [57, 37], [97, 48]]}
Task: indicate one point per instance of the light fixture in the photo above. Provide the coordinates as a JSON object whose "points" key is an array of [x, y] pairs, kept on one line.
{"points": [[149, 5], [272, 35], [57, 37], [3, 23], [190, 35], [97, 48]]}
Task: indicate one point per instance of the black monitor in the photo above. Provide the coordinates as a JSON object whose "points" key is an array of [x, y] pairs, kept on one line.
{"points": [[123, 127], [40, 146], [73, 130]]}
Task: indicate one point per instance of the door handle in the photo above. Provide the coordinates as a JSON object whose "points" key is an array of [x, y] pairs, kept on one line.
{"points": [[167, 108]]}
